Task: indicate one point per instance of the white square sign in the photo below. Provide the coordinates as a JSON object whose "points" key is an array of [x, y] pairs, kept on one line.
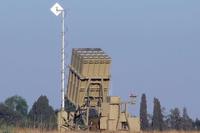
{"points": [[56, 9]]}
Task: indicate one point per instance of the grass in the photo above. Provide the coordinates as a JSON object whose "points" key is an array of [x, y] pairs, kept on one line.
{"points": [[172, 131], [28, 130], [25, 130]]}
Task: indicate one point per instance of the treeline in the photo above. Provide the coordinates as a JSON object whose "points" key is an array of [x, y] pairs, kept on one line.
{"points": [[14, 113], [176, 119]]}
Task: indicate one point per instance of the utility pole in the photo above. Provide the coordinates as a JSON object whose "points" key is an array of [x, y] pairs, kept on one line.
{"points": [[57, 10]]}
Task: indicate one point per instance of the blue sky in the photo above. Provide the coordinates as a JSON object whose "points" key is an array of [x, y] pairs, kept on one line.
{"points": [[154, 47]]}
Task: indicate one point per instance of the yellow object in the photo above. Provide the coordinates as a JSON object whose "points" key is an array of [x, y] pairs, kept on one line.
{"points": [[89, 76], [88, 89]]}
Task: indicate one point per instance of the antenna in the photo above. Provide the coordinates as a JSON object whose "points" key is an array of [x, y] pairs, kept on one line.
{"points": [[57, 10]]}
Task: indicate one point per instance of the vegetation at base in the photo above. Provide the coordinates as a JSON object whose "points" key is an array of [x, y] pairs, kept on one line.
{"points": [[157, 119], [42, 114], [161, 121], [14, 113], [143, 113]]}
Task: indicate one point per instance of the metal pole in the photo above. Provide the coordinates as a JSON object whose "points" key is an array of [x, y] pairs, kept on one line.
{"points": [[63, 62]]}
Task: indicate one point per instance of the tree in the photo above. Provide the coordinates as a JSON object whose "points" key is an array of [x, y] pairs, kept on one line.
{"points": [[175, 119], [197, 124], [157, 120], [42, 114], [17, 104], [166, 120], [143, 113], [8, 116], [186, 120]]}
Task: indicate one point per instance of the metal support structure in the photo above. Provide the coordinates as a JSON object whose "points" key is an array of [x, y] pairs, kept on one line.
{"points": [[63, 62], [88, 104], [57, 10]]}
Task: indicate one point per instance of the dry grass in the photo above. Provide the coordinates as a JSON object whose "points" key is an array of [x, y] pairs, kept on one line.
{"points": [[27, 130], [172, 132]]}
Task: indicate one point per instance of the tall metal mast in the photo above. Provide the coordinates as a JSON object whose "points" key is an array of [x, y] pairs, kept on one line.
{"points": [[63, 62], [57, 10]]}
